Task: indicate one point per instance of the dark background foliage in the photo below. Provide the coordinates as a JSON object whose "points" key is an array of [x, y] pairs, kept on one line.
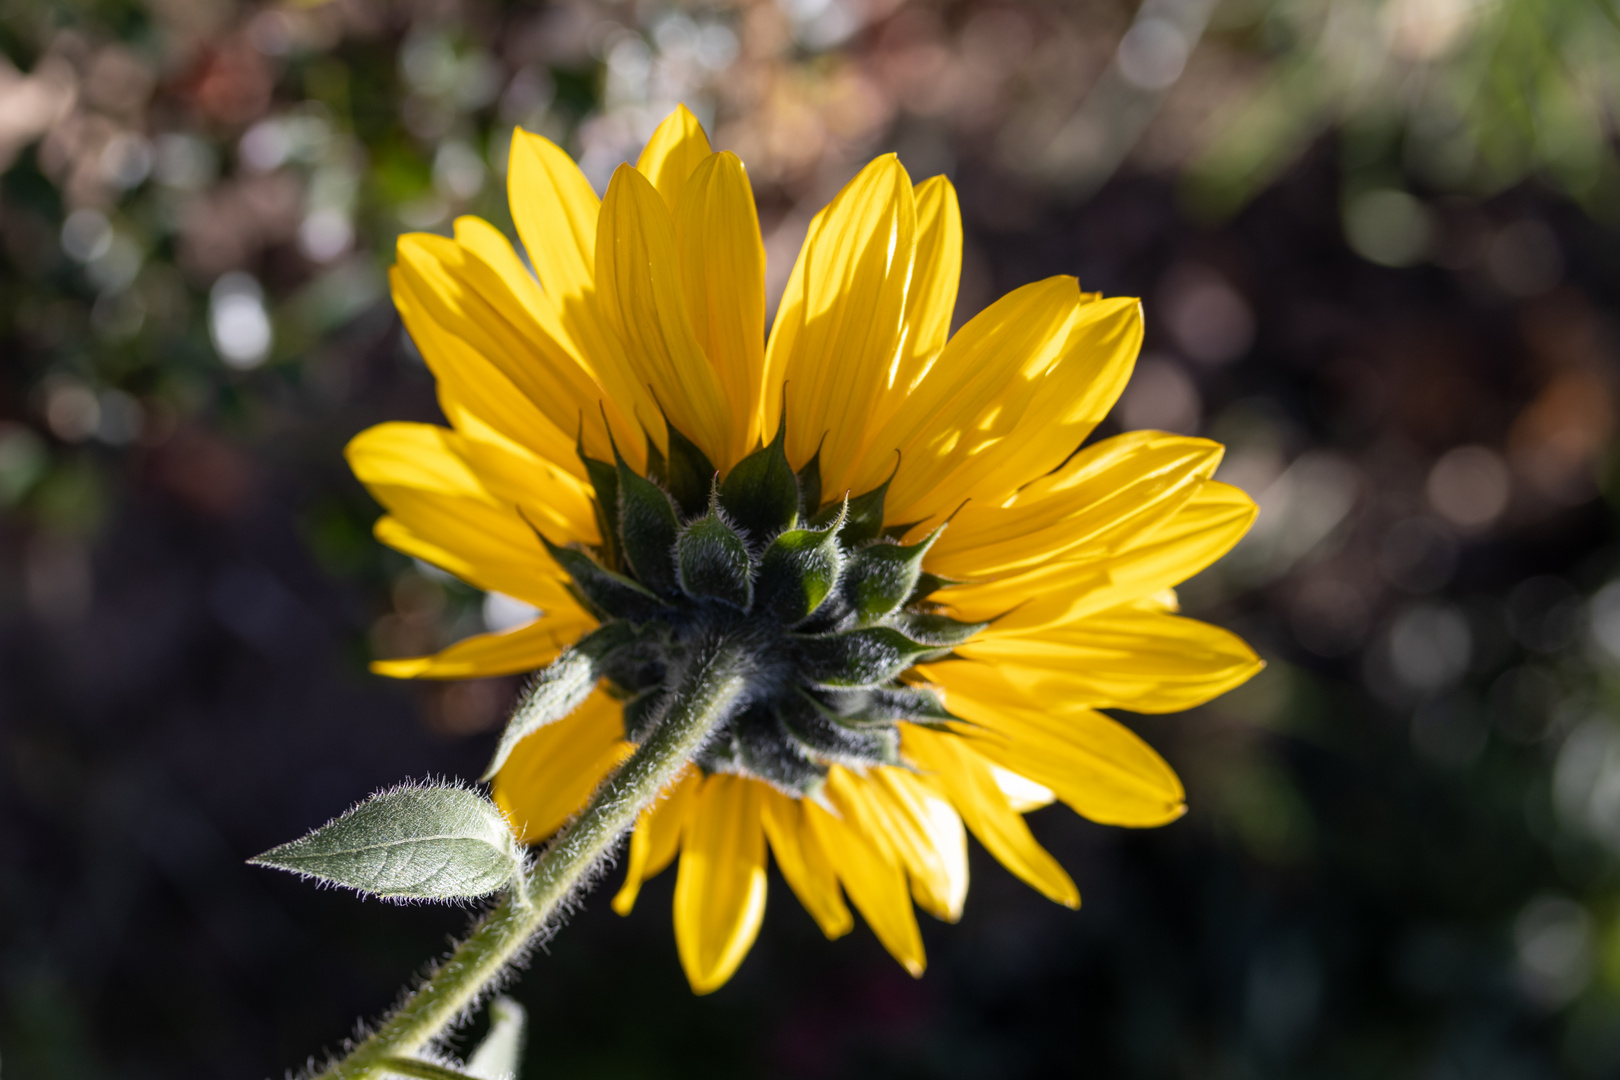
{"points": [[1395, 305]]}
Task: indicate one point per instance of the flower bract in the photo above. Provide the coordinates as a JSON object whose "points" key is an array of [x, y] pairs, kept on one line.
{"points": [[938, 585]]}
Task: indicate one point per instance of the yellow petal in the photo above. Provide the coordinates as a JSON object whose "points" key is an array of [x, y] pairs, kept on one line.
{"points": [[1200, 532], [468, 383], [526, 648], [657, 837], [673, 152], [1124, 658], [970, 782], [720, 887], [1106, 496], [931, 300], [928, 833], [805, 866], [552, 773], [438, 532], [838, 330], [1012, 395], [1097, 766], [556, 214], [876, 886], [550, 498], [723, 277], [470, 300], [1021, 793], [641, 300]]}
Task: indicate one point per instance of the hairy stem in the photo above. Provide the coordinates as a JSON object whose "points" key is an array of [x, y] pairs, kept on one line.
{"points": [[702, 699]]}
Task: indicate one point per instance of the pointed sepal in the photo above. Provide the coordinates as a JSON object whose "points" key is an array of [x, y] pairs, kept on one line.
{"points": [[604, 479], [821, 733], [761, 493], [768, 750], [939, 631], [688, 472], [798, 570], [858, 659], [647, 529], [887, 705], [713, 562], [882, 576], [610, 595]]}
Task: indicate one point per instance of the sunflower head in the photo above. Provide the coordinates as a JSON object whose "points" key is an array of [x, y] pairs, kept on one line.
{"points": [[630, 452]]}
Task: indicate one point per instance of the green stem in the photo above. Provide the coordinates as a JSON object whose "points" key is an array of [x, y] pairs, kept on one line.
{"points": [[702, 699]]}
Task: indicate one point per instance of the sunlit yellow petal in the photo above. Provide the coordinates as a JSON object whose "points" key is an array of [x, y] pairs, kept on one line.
{"points": [[876, 886], [1010, 398], [723, 277], [1124, 658], [657, 837], [437, 533], [805, 866], [1103, 498], [672, 154], [552, 772], [1200, 532], [931, 299], [720, 886], [971, 785], [641, 299], [525, 648], [928, 834], [1096, 765], [846, 320], [555, 212]]}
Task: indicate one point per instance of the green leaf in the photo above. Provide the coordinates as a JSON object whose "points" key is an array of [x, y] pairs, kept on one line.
{"points": [[713, 561], [882, 576], [409, 843], [500, 1055], [561, 687], [761, 494], [690, 473], [798, 570], [647, 529], [612, 595], [855, 659]]}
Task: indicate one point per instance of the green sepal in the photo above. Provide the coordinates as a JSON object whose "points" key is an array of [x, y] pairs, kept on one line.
{"points": [[809, 479], [657, 464], [642, 713], [824, 736], [798, 570], [606, 593], [560, 688], [885, 705], [858, 659], [713, 563], [937, 631], [863, 520], [647, 529], [766, 748], [761, 494], [882, 576], [604, 480], [927, 585], [689, 473]]}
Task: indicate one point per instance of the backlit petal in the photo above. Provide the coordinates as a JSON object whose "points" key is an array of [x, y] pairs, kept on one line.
{"points": [[1103, 498], [672, 153], [437, 532], [1097, 766], [969, 781], [805, 866], [552, 773], [1012, 395], [656, 839], [525, 648], [838, 329], [875, 884], [720, 886], [723, 277], [928, 833], [931, 300], [641, 300], [1124, 658]]}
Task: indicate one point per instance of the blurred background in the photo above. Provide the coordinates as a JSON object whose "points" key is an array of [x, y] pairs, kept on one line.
{"points": [[1377, 244]]}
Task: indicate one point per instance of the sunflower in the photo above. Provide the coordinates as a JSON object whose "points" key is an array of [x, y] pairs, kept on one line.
{"points": [[938, 589]]}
